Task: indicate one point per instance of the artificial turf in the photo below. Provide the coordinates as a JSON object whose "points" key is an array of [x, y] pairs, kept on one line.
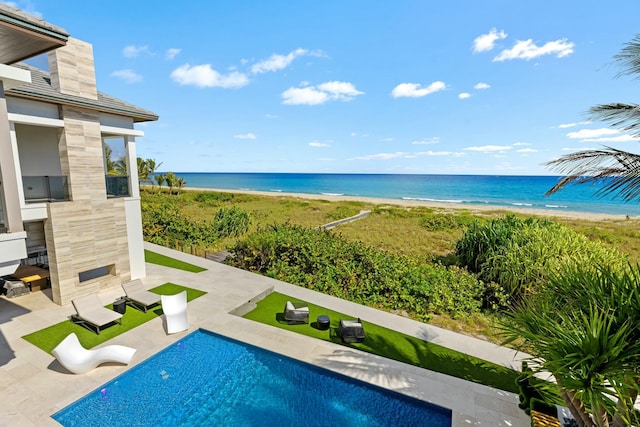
{"points": [[391, 344], [156, 258], [48, 338]]}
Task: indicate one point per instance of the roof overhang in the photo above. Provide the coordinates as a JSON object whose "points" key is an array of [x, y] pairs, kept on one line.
{"points": [[24, 36]]}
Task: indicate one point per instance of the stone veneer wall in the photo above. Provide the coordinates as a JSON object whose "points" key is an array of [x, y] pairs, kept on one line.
{"points": [[90, 231]]}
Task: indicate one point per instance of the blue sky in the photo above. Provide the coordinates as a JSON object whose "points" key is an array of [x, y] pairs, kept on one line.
{"points": [[427, 87]]}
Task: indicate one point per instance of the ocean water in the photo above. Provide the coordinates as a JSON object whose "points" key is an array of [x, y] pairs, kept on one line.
{"points": [[490, 190]]}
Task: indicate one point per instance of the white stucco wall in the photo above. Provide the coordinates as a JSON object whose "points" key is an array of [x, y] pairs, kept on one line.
{"points": [[13, 248], [116, 121]]}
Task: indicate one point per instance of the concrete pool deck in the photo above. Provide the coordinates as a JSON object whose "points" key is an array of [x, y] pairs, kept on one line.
{"points": [[33, 385]]}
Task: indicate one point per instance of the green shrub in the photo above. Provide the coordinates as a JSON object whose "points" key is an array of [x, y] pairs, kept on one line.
{"points": [[214, 199], [519, 255], [231, 222], [320, 260]]}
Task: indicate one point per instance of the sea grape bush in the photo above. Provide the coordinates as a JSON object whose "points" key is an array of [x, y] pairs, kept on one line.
{"points": [[519, 255], [162, 222], [324, 261]]}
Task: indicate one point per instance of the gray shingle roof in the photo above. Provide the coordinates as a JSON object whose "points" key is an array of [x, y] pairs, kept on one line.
{"points": [[40, 89], [15, 16]]}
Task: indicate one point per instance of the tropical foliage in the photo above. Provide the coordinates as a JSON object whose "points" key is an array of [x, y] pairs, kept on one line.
{"points": [[617, 171], [584, 329], [323, 261], [519, 255]]}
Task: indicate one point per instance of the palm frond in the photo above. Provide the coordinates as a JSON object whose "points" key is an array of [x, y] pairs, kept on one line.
{"points": [[625, 117], [629, 57], [616, 171]]}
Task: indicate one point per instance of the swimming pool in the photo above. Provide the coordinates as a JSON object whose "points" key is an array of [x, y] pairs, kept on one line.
{"points": [[206, 379]]}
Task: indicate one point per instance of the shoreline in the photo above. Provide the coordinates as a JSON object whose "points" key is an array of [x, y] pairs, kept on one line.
{"points": [[423, 203]]}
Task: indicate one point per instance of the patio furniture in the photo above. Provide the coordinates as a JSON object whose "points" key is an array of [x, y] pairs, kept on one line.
{"points": [[323, 322], [296, 312], [77, 359], [138, 296], [91, 313], [120, 305], [13, 288], [175, 312], [351, 331]]}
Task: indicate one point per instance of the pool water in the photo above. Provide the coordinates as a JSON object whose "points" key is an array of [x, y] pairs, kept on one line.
{"points": [[209, 380]]}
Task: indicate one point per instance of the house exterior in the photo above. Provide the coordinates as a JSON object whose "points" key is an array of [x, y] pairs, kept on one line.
{"points": [[58, 206]]}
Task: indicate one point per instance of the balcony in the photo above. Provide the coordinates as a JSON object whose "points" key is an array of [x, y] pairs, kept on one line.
{"points": [[38, 189], [117, 185]]}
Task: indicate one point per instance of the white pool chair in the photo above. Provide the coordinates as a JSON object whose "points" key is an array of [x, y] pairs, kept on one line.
{"points": [[175, 312], [138, 296], [77, 359]]}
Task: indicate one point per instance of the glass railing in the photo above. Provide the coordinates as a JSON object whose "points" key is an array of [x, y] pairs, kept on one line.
{"points": [[45, 188], [117, 185]]}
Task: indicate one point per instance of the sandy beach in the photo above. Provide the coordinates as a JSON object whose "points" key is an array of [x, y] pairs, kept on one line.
{"points": [[450, 207]]}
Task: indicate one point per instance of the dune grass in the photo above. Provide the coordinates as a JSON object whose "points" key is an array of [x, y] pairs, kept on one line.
{"points": [[48, 338], [391, 344], [156, 258]]}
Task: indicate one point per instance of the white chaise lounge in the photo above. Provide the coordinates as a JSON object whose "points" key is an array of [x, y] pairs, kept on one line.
{"points": [[138, 296], [77, 359], [175, 312], [91, 312]]}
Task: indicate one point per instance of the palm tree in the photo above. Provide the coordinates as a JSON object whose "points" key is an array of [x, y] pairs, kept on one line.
{"points": [[171, 179], [152, 166], [143, 170], [617, 171], [109, 163], [180, 183], [160, 179], [584, 329]]}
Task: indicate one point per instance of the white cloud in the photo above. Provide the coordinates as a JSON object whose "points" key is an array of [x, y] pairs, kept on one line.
{"points": [[318, 144], [304, 96], [619, 138], [490, 148], [271, 116], [129, 76], [428, 141], [592, 133], [487, 41], [415, 90], [527, 49], [204, 76], [384, 156], [387, 139], [171, 53], [527, 150], [570, 125], [278, 62], [578, 148], [435, 153], [464, 95], [520, 144], [481, 85], [248, 135], [132, 51], [315, 95]]}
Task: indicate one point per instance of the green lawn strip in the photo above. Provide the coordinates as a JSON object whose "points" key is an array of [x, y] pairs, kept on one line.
{"points": [[48, 338], [156, 258], [391, 344]]}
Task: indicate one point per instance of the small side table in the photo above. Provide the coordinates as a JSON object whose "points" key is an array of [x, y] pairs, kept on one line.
{"points": [[120, 305], [323, 322]]}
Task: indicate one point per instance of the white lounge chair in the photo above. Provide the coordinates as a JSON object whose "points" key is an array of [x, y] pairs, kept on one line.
{"points": [[138, 296], [296, 312], [91, 312], [175, 312], [77, 359]]}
